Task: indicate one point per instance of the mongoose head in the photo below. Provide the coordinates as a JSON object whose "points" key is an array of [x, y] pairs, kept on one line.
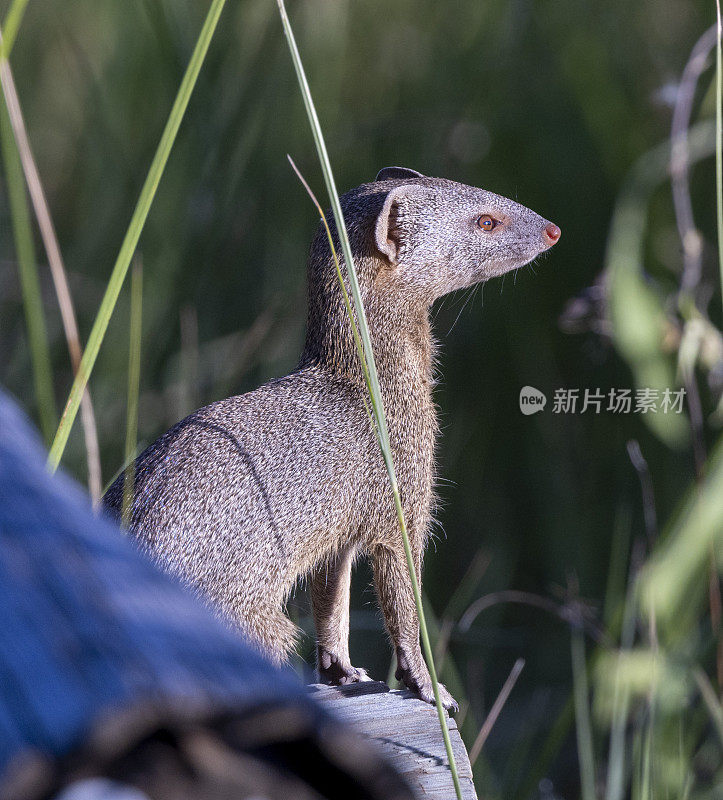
{"points": [[414, 239], [439, 235]]}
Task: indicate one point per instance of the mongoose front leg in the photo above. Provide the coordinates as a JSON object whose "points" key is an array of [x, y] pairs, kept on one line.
{"points": [[330, 602], [396, 597]]}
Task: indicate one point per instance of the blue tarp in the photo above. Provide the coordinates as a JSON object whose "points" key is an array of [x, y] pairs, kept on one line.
{"points": [[90, 625]]}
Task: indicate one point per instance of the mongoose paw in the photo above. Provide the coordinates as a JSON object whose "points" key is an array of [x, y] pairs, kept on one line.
{"points": [[333, 672], [448, 701], [422, 686]]}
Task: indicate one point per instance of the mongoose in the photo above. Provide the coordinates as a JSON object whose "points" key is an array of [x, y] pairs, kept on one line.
{"points": [[243, 497]]}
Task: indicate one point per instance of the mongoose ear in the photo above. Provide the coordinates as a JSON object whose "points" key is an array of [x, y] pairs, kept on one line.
{"points": [[397, 174], [387, 232]]}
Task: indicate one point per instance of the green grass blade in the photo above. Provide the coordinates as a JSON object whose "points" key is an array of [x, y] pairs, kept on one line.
{"points": [[371, 373], [615, 788], [11, 25], [719, 140], [133, 233], [582, 715], [375, 391], [345, 294], [134, 378], [29, 281]]}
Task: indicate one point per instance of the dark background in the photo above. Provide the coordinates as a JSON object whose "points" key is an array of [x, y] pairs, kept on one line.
{"points": [[549, 103]]}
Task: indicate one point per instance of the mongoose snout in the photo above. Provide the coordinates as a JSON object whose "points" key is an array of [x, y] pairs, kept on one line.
{"points": [[551, 234], [245, 496]]}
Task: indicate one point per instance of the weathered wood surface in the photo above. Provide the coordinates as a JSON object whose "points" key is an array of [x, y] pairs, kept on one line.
{"points": [[406, 730]]}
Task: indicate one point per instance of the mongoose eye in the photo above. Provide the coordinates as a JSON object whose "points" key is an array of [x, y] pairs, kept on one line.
{"points": [[487, 223]]}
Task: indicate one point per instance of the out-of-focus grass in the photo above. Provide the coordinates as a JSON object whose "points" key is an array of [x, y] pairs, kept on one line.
{"points": [[674, 583], [29, 281], [652, 686], [130, 241], [583, 726], [641, 326]]}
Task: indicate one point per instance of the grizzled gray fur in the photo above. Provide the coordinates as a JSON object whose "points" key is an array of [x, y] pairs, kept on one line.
{"points": [[247, 495]]}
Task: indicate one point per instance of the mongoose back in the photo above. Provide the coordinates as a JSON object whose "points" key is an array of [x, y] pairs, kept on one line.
{"points": [[246, 495]]}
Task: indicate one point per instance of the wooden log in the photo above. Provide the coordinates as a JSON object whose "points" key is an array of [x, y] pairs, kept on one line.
{"points": [[406, 731]]}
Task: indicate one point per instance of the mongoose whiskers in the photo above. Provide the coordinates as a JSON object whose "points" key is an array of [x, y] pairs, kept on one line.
{"points": [[246, 495]]}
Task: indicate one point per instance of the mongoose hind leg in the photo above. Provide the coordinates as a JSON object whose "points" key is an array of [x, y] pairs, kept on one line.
{"points": [[391, 578], [330, 601]]}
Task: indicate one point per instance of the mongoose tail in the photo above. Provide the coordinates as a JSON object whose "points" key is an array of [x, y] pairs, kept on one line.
{"points": [[246, 495]]}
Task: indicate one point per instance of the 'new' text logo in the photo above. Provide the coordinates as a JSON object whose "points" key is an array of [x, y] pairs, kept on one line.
{"points": [[531, 400]]}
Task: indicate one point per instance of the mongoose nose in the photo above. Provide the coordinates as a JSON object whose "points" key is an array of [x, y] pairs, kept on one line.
{"points": [[551, 233]]}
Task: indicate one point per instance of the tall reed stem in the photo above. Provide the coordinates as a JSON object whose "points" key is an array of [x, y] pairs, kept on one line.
{"points": [[140, 214], [370, 374]]}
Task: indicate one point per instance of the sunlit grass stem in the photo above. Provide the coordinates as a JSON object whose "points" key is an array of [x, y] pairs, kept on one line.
{"points": [[133, 233], [340, 278], [11, 25], [370, 375]]}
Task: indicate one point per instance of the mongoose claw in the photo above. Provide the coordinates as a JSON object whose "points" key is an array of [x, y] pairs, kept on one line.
{"points": [[333, 672], [447, 700], [423, 688], [427, 694]]}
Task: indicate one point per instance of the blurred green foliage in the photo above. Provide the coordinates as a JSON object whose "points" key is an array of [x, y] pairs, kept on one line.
{"points": [[550, 102]]}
